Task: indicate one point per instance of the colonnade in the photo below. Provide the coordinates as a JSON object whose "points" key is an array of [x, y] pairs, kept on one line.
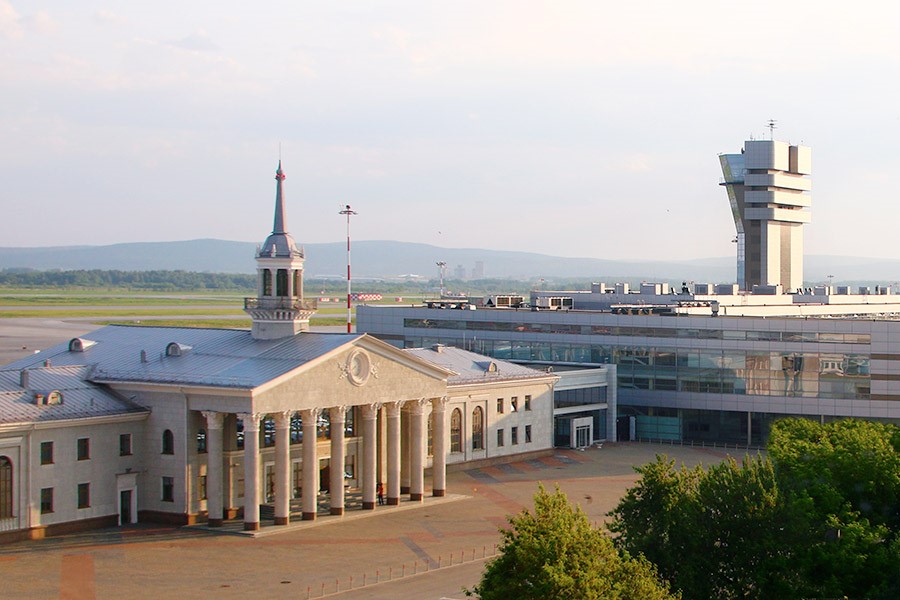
{"points": [[310, 481]]}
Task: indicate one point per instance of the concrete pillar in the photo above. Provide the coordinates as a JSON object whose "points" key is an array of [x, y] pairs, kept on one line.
{"points": [[251, 470], [214, 460], [310, 489], [404, 452], [392, 412], [369, 416], [337, 413], [282, 467], [417, 450], [439, 443]]}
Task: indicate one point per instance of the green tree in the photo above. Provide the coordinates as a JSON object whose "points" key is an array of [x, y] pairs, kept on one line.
{"points": [[844, 477], [555, 553], [715, 533]]}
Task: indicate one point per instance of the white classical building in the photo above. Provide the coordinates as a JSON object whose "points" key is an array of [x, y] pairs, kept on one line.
{"points": [[183, 425]]}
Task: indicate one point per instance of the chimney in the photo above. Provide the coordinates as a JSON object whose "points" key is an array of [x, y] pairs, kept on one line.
{"points": [[23, 378], [47, 362]]}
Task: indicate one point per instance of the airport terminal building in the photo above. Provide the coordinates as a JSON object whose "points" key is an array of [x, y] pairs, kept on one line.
{"points": [[702, 362]]}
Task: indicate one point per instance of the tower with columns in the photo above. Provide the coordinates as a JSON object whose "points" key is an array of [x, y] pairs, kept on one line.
{"points": [[279, 309]]}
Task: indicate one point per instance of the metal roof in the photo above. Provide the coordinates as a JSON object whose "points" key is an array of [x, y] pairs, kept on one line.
{"points": [[470, 367], [217, 358], [80, 398]]}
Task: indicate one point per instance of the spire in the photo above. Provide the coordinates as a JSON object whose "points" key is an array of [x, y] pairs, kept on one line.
{"points": [[279, 226]]}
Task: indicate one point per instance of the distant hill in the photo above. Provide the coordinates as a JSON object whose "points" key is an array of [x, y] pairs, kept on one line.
{"points": [[387, 259]]}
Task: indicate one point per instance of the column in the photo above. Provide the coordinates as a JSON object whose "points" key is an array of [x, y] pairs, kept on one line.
{"points": [[337, 413], [369, 416], [214, 489], [439, 442], [404, 452], [392, 411], [251, 470], [417, 450], [282, 467], [310, 490]]}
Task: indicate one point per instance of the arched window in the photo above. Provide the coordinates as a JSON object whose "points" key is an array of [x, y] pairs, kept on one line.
{"points": [[281, 283], [6, 488], [266, 282], [478, 429], [201, 441], [168, 442], [456, 430]]}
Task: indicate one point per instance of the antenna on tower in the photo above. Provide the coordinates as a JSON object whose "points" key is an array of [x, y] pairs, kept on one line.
{"points": [[772, 125]]}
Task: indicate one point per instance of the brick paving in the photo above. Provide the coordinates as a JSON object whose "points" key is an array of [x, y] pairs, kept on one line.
{"points": [[427, 551]]}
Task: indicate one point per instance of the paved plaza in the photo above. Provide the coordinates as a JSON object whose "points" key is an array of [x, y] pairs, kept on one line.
{"points": [[427, 551]]}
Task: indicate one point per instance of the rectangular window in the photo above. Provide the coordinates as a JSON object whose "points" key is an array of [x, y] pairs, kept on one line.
{"points": [[46, 453], [499, 438], [528, 434], [168, 489], [125, 444], [84, 448], [84, 495], [514, 435], [46, 500], [527, 402], [514, 404], [499, 406], [202, 487]]}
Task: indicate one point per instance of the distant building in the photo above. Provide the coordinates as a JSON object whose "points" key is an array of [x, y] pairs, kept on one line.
{"points": [[768, 187], [478, 271], [459, 273]]}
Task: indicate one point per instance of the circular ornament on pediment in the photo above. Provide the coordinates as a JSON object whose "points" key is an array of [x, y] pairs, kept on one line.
{"points": [[359, 367]]}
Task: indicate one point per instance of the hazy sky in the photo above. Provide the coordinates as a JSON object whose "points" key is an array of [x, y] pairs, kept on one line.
{"points": [[569, 128]]}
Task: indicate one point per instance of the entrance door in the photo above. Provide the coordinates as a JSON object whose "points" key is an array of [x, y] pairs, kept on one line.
{"points": [[125, 507], [583, 436]]}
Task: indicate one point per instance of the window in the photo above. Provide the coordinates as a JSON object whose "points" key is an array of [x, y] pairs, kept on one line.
{"points": [[168, 442], [514, 435], [499, 406], [456, 430], [201, 487], [84, 448], [429, 446], [168, 489], [46, 453], [528, 434], [46, 501], [266, 282], [478, 429], [514, 404], [84, 495], [527, 402], [6, 488], [499, 438], [201, 441], [124, 444]]}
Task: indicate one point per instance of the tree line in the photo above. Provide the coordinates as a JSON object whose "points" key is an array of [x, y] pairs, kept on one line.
{"points": [[817, 517]]}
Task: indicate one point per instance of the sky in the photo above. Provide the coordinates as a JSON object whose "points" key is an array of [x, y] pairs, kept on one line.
{"points": [[570, 128]]}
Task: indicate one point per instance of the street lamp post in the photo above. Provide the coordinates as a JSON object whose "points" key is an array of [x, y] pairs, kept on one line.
{"points": [[347, 211]]}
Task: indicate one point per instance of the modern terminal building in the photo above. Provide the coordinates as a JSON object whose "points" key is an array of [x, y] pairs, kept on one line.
{"points": [[702, 362]]}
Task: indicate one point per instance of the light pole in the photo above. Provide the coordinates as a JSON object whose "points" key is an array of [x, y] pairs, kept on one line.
{"points": [[348, 212]]}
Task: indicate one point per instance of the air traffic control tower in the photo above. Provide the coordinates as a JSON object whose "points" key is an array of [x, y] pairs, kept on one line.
{"points": [[768, 187]]}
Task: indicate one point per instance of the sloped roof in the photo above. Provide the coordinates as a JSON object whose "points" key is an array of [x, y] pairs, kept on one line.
{"points": [[80, 398], [217, 357], [470, 367]]}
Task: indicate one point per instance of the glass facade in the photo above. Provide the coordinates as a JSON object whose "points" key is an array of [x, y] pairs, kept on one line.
{"points": [[743, 372]]}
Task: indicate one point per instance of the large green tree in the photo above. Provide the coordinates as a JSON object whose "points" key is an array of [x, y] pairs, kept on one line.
{"points": [[817, 518], [554, 553]]}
